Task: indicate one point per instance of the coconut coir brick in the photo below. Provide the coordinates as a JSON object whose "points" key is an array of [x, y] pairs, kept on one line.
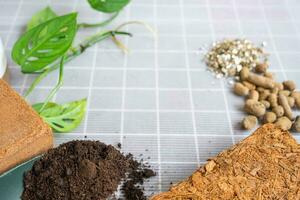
{"points": [[23, 133], [80, 170], [265, 165]]}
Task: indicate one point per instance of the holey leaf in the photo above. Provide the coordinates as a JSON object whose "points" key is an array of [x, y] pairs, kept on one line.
{"points": [[45, 43], [62, 118], [108, 6], [41, 17]]}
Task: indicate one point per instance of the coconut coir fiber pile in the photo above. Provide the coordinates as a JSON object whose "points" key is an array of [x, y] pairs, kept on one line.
{"points": [[84, 170], [266, 165]]}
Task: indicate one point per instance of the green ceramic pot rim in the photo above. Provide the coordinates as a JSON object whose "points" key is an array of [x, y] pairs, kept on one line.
{"points": [[20, 165]]}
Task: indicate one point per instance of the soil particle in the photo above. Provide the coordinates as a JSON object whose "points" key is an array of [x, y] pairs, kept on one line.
{"points": [[87, 169], [119, 145], [84, 170], [132, 187]]}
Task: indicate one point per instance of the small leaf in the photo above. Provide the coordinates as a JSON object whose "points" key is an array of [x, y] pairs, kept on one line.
{"points": [[41, 17], [108, 6], [62, 118], [45, 43]]}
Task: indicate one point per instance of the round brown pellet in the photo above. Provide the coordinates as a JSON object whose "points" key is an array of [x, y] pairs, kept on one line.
{"points": [[261, 67], [240, 89], [289, 85], [278, 110], [284, 123], [249, 122], [270, 117]]}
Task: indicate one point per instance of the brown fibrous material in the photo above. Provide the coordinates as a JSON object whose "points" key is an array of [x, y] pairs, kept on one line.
{"points": [[265, 165]]}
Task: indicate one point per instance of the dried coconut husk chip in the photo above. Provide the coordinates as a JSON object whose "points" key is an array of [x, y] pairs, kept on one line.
{"points": [[265, 165]]}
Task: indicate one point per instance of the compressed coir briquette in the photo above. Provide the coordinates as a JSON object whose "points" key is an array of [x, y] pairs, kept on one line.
{"points": [[82, 170]]}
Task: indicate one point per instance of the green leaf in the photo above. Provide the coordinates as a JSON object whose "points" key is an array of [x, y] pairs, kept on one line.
{"points": [[62, 118], [45, 43], [41, 17], [108, 6]]}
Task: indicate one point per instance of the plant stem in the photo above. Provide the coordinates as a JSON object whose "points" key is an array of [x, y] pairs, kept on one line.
{"points": [[37, 81], [73, 53], [104, 23], [57, 86]]}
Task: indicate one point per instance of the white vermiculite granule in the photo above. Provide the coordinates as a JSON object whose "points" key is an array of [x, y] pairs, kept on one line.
{"points": [[228, 57]]}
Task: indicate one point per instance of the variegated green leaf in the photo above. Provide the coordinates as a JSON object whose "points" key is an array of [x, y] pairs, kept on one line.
{"points": [[62, 118], [41, 17], [108, 6], [45, 43]]}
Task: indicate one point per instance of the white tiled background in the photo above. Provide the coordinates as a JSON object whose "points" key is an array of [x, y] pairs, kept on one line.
{"points": [[159, 101]]}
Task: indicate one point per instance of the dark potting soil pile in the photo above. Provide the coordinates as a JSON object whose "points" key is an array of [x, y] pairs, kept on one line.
{"points": [[85, 170]]}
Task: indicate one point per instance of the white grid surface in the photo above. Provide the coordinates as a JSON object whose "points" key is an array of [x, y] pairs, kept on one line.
{"points": [[159, 101]]}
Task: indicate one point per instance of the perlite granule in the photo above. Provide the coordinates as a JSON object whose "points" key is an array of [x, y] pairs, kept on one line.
{"points": [[228, 57]]}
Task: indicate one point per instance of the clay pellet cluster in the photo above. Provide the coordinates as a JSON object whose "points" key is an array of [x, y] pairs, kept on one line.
{"points": [[266, 100]]}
